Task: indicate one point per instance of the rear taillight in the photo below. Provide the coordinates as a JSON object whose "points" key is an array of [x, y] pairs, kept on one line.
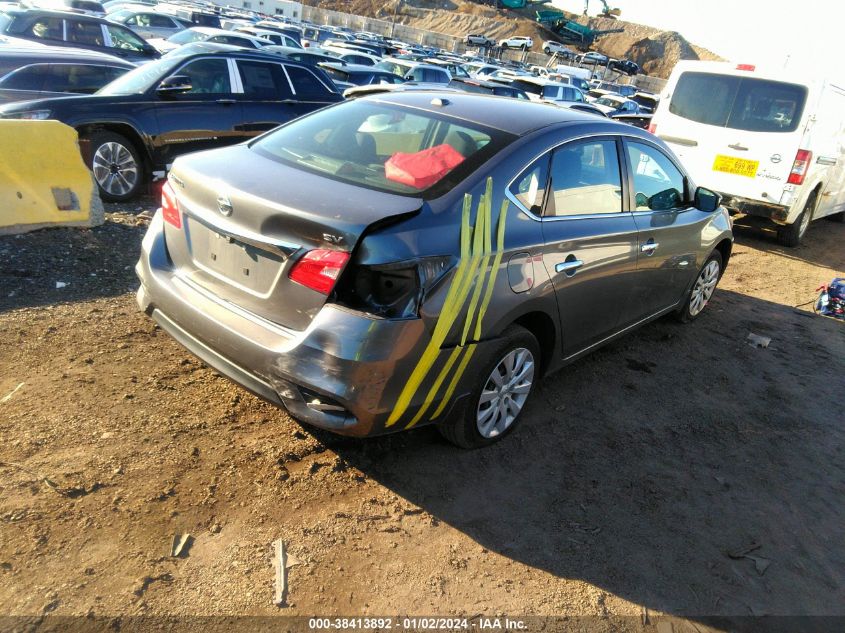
{"points": [[799, 167], [652, 127], [747, 67], [169, 210], [319, 269]]}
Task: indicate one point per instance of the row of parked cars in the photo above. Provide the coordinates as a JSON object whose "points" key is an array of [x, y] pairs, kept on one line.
{"points": [[143, 84]]}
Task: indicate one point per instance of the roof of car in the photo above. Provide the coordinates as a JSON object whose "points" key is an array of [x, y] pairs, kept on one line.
{"points": [[355, 68], [23, 12], [515, 116], [61, 54]]}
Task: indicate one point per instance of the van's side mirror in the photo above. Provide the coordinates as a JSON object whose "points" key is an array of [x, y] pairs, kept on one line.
{"points": [[706, 200], [174, 85]]}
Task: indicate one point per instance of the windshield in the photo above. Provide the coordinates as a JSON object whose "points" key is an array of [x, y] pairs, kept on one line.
{"points": [[739, 103], [607, 101], [386, 148], [141, 79], [187, 36]]}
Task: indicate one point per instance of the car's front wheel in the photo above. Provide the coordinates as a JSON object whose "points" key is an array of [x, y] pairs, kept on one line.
{"points": [[703, 288], [506, 379], [116, 165]]}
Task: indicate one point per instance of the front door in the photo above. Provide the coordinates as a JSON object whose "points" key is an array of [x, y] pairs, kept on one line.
{"points": [[207, 116], [590, 249]]}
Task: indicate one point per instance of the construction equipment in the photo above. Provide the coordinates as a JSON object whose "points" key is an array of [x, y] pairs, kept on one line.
{"points": [[607, 12], [569, 31], [521, 4]]}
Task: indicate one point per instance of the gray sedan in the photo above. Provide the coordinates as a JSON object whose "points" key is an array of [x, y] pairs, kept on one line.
{"points": [[425, 257]]}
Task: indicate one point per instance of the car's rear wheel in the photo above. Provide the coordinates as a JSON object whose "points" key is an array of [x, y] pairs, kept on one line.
{"points": [[507, 376], [702, 289], [116, 165], [792, 234], [547, 50]]}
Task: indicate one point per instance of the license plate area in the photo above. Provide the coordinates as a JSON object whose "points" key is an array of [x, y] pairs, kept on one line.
{"points": [[736, 166], [228, 259]]}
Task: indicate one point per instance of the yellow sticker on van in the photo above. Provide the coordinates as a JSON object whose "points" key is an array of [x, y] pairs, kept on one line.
{"points": [[738, 166]]}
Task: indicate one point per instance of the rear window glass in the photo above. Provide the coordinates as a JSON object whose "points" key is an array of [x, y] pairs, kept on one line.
{"points": [[386, 148], [740, 103]]}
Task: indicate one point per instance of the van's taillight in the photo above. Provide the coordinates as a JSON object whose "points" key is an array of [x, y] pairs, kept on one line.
{"points": [[652, 127], [169, 210], [319, 269], [750, 67], [799, 167]]}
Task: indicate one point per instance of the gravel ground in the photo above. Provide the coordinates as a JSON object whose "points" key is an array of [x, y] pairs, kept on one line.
{"points": [[677, 471]]}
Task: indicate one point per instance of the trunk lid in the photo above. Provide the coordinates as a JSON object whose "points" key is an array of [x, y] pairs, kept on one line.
{"points": [[247, 219]]}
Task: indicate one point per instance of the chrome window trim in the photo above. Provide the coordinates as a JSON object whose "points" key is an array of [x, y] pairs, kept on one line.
{"points": [[585, 216]]}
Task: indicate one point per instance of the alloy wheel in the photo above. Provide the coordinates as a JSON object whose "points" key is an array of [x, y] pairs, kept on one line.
{"points": [[115, 169], [505, 392], [704, 287]]}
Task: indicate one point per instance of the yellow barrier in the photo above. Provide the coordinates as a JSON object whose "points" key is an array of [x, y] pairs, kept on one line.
{"points": [[43, 180]]}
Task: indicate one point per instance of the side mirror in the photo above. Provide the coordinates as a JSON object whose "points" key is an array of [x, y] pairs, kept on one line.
{"points": [[706, 200], [174, 85]]}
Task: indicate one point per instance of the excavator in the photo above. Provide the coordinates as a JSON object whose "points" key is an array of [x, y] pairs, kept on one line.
{"points": [[607, 12]]}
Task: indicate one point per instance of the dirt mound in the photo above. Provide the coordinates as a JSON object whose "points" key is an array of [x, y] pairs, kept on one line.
{"points": [[654, 50]]}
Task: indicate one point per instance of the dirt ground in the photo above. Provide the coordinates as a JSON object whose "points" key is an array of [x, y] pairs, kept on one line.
{"points": [[678, 471]]}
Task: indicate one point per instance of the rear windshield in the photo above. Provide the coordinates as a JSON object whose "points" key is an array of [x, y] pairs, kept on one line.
{"points": [[384, 147], [740, 103]]}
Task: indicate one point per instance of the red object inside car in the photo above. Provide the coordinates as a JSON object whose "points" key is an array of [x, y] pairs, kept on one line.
{"points": [[424, 168]]}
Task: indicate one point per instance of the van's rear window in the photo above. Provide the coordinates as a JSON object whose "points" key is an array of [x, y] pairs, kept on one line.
{"points": [[740, 103], [384, 147]]}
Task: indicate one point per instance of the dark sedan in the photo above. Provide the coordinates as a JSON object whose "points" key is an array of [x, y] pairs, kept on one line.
{"points": [[425, 257], [137, 125], [347, 75]]}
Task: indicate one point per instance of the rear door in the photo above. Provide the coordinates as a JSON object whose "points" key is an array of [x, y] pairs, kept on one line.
{"points": [[266, 96], [590, 249], [207, 116], [669, 230], [736, 133]]}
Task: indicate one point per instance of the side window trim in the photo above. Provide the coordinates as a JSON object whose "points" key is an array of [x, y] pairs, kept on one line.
{"points": [[623, 183], [546, 156], [235, 76], [287, 76], [687, 204]]}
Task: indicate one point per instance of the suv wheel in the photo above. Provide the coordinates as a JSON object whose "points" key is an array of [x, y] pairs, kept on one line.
{"points": [[547, 50], [703, 288], [116, 165], [792, 234], [506, 380]]}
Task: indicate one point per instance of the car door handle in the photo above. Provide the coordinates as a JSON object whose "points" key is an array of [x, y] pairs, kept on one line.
{"points": [[649, 247], [569, 266], [738, 147], [226, 101]]}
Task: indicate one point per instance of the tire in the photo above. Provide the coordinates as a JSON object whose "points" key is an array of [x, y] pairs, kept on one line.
{"points": [[792, 234], [702, 289], [116, 165], [464, 428], [504, 46], [547, 50]]}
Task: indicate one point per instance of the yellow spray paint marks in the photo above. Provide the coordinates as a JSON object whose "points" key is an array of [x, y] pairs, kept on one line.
{"points": [[476, 252]]}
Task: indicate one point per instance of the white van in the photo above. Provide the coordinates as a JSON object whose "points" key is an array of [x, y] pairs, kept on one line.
{"points": [[772, 143]]}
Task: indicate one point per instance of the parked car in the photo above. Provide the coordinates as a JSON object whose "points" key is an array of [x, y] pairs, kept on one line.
{"points": [[556, 48], [211, 35], [309, 56], [594, 58], [135, 126], [481, 70], [60, 28], [771, 141], [616, 104], [480, 86], [279, 39], [349, 56], [518, 41], [541, 89], [251, 267], [348, 75], [609, 87], [190, 14], [475, 39], [293, 32], [624, 66], [85, 7], [455, 69], [37, 73], [411, 70], [148, 23], [647, 100]]}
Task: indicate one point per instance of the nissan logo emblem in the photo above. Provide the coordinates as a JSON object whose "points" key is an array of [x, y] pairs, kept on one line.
{"points": [[775, 158]]}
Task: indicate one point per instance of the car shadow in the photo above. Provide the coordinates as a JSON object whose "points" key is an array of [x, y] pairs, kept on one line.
{"points": [[680, 468], [822, 244]]}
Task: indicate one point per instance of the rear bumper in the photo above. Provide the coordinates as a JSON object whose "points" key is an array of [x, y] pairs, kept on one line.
{"points": [[757, 208], [344, 373]]}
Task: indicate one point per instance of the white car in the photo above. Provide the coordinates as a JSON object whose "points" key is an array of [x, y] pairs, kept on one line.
{"points": [[550, 48], [518, 41]]}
